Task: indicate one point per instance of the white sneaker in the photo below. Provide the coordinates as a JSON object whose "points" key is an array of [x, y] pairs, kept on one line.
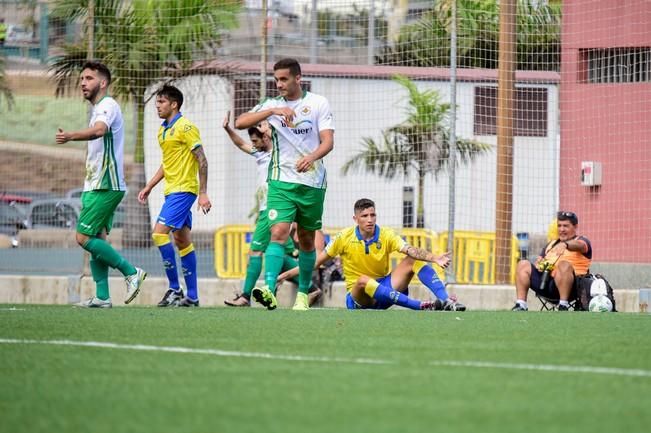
{"points": [[133, 284], [95, 302]]}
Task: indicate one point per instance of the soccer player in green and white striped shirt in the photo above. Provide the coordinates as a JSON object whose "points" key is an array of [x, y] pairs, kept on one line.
{"points": [[302, 134], [104, 186]]}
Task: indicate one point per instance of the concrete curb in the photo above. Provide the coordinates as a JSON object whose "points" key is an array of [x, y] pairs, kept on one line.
{"points": [[21, 289]]}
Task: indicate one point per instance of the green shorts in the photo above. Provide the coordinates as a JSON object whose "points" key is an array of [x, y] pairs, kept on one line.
{"points": [[288, 202], [262, 235], [97, 208]]}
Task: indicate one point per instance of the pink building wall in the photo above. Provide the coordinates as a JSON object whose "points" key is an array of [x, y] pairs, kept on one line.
{"points": [[607, 123]]}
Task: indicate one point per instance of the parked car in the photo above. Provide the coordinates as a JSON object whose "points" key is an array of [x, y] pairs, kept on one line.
{"points": [[53, 213], [12, 219]]}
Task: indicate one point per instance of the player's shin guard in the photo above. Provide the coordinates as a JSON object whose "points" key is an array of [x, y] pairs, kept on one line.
{"points": [[386, 294], [162, 241], [253, 271], [427, 276], [306, 260], [100, 272], [104, 252], [189, 264], [273, 264]]}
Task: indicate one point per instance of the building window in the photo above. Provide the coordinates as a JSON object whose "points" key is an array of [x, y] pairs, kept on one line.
{"points": [[408, 206], [530, 111], [615, 65], [247, 93]]}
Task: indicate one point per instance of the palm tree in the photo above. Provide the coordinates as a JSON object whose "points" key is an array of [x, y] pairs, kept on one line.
{"points": [[420, 144], [143, 42], [427, 41]]}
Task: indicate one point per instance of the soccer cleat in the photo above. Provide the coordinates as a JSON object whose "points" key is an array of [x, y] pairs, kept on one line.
{"points": [[240, 300], [95, 302], [187, 302], [427, 305], [171, 298], [519, 307], [301, 303], [265, 297], [133, 284], [314, 296], [448, 305], [563, 307]]}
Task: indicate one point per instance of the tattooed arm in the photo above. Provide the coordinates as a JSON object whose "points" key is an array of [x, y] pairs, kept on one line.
{"points": [[442, 260], [204, 201]]}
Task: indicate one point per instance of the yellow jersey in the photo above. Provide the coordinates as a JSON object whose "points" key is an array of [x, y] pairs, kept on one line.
{"points": [[177, 140], [360, 257]]}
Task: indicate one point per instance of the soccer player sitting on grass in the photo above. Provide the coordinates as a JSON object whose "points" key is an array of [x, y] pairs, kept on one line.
{"points": [[365, 250], [104, 187], [183, 160], [260, 148]]}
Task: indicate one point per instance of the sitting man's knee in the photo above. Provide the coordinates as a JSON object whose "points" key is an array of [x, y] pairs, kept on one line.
{"points": [[564, 267], [361, 282]]}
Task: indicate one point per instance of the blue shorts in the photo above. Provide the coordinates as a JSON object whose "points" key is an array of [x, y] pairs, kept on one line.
{"points": [[379, 305], [177, 210]]}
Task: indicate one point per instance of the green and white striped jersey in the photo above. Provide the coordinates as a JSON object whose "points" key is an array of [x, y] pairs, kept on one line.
{"points": [[292, 142], [105, 160]]}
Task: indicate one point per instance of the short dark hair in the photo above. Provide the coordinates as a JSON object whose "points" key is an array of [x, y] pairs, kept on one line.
{"points": [[363, 204], [255, 131], [172, 93], [567, 216], [288, 63], [98, 67]]}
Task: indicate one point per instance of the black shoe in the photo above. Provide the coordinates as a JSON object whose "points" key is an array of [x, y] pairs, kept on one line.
{"points": [[240, 300], [448, 305], [187, 302], [563, 307], [519, 307], [171, 298]]}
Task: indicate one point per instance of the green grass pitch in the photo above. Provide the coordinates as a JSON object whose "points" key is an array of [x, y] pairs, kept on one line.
{"points": [[250, 370]]}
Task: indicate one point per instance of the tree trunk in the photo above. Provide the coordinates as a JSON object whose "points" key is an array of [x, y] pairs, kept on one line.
{"points": [[420, 209], [137, 227]]}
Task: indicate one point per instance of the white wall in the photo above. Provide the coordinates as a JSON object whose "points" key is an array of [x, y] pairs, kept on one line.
{"points": [[362, 108]]}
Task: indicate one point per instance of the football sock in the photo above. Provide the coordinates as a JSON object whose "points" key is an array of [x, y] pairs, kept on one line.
{"points": [[162, 241], [273, 264], [253, 271], [427, 276], [189, 264], [100, 273], [564, 302], [387, 294], [306, 260], [290, 262], [104, 252]]}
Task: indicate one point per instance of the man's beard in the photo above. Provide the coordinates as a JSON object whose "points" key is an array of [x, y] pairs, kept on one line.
{"points": [[92, 94]]}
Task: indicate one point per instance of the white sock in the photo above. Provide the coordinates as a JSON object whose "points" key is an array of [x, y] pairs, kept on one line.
{"points": [[521, 303], [565, 303]]}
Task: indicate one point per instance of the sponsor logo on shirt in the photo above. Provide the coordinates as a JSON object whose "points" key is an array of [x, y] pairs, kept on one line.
{"points": [[296, 129]]}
